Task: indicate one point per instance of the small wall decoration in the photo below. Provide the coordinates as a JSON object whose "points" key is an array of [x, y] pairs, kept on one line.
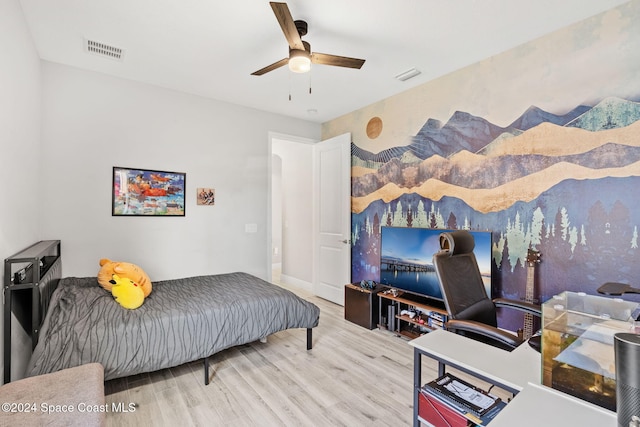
{"points": [[206, 196], [374, 127], [141, 192]]}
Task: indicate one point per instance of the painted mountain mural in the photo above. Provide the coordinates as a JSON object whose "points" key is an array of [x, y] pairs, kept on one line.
{"points": [[567, 186]]}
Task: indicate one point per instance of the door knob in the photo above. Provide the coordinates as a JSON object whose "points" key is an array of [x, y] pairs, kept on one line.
{"points": [[346, 241]]}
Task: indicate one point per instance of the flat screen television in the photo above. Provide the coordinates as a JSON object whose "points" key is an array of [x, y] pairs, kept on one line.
{"points": [[413, 249]]}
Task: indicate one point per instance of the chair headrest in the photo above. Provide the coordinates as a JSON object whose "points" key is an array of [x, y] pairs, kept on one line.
{"points": [[457, 242]]}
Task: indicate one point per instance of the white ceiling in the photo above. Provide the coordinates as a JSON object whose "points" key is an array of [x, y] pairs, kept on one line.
{"points": [[210, 47]]}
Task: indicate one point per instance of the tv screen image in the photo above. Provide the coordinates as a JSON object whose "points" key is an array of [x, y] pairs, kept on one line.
{"points": [[406, 259]]}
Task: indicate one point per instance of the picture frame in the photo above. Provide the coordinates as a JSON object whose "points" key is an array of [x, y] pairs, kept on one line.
{"points": [[147, 192], [205, 196]]}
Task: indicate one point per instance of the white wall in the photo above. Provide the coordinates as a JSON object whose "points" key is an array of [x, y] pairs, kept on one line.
{"points": [[92, 122], [297, 209], [20, 102]]}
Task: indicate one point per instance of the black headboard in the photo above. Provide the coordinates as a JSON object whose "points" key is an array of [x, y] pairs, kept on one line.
{"points": [[30, 278]]}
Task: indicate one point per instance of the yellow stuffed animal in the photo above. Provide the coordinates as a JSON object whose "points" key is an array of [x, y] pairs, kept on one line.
{"points": [[126, 292], [122, 269]]}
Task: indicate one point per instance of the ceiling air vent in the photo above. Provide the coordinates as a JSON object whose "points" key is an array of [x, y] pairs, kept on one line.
{"points": [[103, 49], [406, 75]]}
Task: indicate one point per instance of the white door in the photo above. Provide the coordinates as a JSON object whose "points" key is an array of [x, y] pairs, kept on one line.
{"points": [[332, 218]]}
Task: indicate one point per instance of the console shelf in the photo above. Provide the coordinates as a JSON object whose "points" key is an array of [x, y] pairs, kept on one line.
{"points": [[430, 314]]}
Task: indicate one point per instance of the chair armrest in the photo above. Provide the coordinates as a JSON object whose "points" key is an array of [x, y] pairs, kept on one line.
{"points": [[527, 307], [507, 339]]}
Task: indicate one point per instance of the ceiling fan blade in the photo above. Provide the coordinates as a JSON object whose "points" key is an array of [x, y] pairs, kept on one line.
{"points": [[338, 61], [281, 10], [271, 67]]}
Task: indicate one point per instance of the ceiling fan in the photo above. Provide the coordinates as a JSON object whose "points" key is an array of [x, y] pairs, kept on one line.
{"points": [[300, 56]]}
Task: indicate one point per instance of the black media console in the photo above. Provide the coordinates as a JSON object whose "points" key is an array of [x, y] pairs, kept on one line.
{"points": [[409, 315]]}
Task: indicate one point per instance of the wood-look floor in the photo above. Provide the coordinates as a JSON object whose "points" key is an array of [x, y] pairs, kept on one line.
{"points": [[351, 377]]}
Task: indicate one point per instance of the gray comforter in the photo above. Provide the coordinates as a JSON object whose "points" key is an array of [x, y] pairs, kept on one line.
{"points": [[182, 320]]}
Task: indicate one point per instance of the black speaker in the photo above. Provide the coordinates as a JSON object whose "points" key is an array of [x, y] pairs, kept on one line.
{"points": [[627, 356], [391, 317]]}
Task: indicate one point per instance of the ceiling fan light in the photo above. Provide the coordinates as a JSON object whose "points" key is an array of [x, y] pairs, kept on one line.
{"points": [[299, 61]]}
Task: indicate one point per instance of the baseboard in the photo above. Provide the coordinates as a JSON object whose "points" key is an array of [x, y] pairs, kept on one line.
{"points": [[292, 281]]}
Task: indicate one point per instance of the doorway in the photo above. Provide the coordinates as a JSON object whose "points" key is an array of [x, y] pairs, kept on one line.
{"points": [[291, 242], [276, 218], [310, 214]]}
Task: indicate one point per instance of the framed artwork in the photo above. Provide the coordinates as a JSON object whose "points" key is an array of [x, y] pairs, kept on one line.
{"points": [[142, 192], [206, 196]]}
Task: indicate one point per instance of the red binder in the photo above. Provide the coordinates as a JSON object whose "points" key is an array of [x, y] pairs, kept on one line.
{"points": [[439, 414]]}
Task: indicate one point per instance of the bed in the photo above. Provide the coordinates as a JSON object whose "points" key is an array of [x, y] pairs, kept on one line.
{"points": [[181, 321]]}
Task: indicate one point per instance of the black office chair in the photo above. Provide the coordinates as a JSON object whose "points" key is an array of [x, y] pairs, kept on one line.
{"points": [[471, 311]]}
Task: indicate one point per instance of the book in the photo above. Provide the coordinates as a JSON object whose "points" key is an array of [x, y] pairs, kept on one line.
{"points": [[461, 395]]}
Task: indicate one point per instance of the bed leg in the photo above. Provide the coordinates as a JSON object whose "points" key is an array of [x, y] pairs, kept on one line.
{"points": [[206, 371], [309, 339]]}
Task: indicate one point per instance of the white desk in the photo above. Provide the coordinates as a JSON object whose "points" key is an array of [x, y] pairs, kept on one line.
{"points": [[537, 405], [518, 372], [511, 371]]}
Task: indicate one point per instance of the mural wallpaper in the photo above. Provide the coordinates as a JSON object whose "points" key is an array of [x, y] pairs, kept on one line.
{"points": [[539, 145], [562, 185]]}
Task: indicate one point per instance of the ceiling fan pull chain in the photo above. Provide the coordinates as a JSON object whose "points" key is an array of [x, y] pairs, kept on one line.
{"points": [[289, 86], [309, 82]]}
